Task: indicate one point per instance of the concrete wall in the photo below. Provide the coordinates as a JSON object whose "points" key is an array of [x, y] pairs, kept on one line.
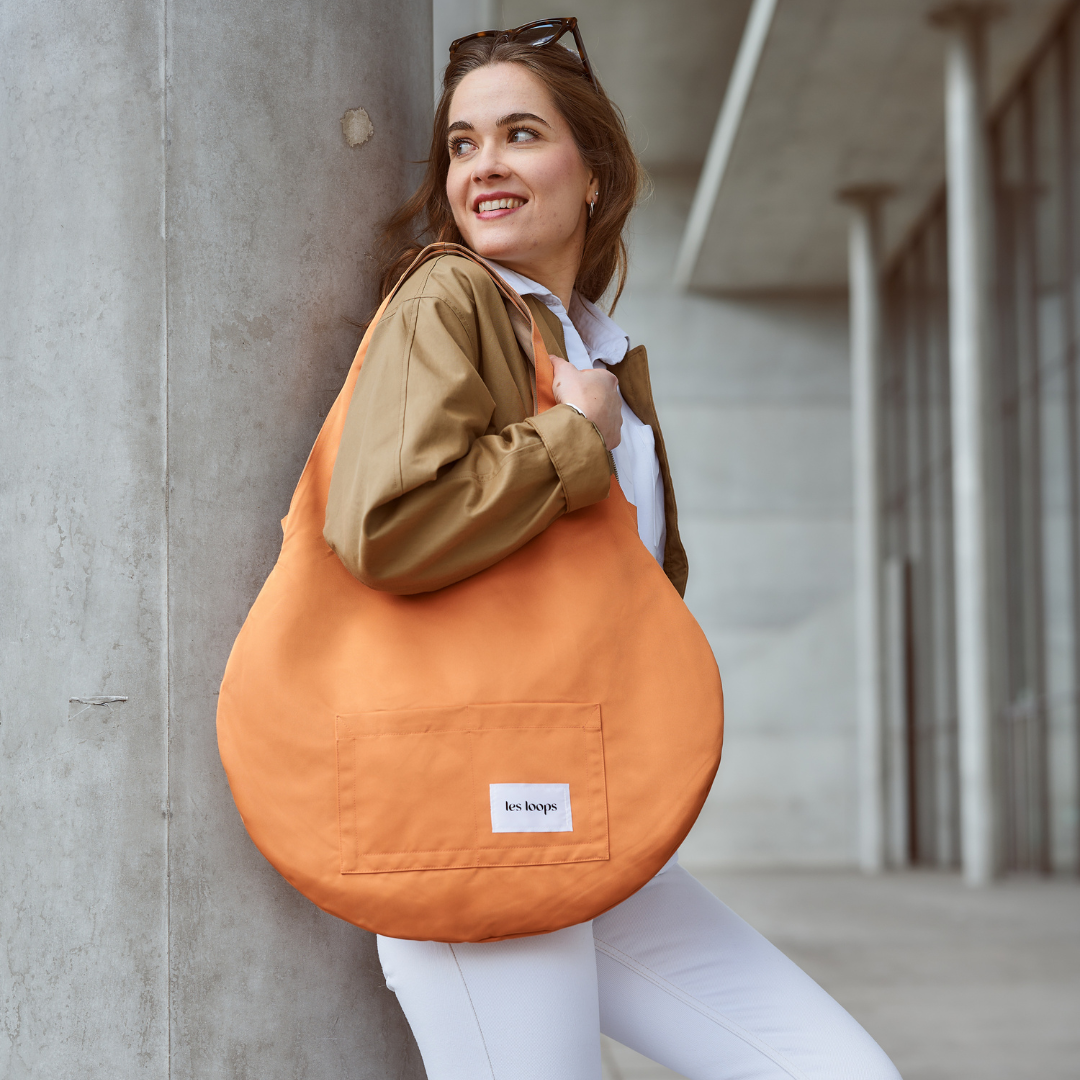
{"points": [[185, 231], [753, 396]]}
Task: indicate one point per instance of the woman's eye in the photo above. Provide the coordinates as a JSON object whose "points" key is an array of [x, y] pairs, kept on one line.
{"points": [[522, 135], [459, 147]]}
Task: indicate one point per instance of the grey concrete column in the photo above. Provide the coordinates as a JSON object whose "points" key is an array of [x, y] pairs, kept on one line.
{"points": [[970, 256], [897, 765], [864, 304], [185, 227]]}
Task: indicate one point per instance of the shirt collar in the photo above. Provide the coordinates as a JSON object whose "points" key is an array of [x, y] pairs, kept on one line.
{"points": [[600, 334]]}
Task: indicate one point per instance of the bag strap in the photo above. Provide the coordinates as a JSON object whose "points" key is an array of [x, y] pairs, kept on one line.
{"points": [[525, 327], [315, 479]]}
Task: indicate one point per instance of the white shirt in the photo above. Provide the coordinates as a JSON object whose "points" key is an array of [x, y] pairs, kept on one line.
{"points": [[595, 340]]}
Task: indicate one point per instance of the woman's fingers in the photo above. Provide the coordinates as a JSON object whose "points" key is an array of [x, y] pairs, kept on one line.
{"points": [[594, 392]]}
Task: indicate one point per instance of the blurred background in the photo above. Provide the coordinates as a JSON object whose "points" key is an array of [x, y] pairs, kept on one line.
{"points": [[895, 610], [826, 107], [857, 272]]}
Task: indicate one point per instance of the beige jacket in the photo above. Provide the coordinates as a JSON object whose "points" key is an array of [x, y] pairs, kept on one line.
{"points": [[443, 467]]}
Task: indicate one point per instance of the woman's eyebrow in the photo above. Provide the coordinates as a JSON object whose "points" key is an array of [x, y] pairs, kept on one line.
{"points": [[516, 117], [503, 121]]}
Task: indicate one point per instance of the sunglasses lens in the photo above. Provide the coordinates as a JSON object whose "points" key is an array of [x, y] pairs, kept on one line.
{"points": [[547, 34], [544, 34]]}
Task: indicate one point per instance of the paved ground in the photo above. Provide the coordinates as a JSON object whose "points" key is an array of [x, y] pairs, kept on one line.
{"points": [[955, 983]]}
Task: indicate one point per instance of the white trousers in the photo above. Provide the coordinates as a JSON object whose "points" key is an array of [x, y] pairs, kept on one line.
{"points": [[671, 972]]}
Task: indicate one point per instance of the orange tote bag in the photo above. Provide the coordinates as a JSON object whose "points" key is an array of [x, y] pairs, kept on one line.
{"points": [[505, 756]]}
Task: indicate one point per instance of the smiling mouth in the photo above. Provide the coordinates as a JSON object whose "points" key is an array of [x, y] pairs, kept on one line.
{"points": [[487, 206]]}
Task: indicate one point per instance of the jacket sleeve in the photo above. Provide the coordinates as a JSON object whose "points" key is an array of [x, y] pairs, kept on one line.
{"points": [[424, 493]]}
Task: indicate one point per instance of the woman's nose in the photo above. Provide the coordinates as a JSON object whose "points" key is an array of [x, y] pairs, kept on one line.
{"points": [[489, 166]]}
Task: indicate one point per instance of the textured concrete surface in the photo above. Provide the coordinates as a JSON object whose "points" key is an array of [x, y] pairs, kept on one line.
{"points": [[185, 229], [83, 873], [954, 983]]}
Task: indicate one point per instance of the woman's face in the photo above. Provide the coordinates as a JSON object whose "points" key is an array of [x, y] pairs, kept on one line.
{"points": [[517, 184]]}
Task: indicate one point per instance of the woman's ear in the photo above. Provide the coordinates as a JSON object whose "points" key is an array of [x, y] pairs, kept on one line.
{"points": [[592, 195]]}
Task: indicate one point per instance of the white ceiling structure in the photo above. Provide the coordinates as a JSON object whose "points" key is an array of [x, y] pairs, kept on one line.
{"points": [[827, 94]]}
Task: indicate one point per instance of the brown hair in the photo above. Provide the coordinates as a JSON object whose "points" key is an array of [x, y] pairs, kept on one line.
{"points": [[599, 131]]}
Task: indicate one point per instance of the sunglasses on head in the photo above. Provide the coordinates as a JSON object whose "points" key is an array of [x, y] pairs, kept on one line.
{"points": [[540, 34]]}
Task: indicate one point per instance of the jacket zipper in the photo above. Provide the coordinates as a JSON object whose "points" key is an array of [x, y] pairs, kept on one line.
{"points": [[611, 462]]}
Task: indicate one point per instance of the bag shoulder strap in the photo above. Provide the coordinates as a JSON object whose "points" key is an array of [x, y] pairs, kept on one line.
{"points": [[314, 481], [525, 327]]}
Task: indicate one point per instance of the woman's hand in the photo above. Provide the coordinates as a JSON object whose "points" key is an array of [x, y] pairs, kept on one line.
{"points": [[595, 393]]}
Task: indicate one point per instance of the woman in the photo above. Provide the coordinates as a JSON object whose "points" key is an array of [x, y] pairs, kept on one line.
{"points": [[442, 471]]}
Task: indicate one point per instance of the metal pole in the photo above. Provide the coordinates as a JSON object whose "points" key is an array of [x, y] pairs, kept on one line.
{"points": [[866, 344], [972, 405]]}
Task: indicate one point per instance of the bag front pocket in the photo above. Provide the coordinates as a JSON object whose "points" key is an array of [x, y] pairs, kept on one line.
{"points": [[426, 789]]}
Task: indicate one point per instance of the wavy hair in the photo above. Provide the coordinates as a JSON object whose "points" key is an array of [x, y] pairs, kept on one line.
{"points": [[599, 131]]}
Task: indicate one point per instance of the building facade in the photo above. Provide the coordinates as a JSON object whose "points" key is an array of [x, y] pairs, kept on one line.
{"points": [[950, 133], [1033, 142]]}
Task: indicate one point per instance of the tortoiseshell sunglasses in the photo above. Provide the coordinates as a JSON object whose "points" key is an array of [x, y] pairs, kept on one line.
{"points": [[541, 33]]}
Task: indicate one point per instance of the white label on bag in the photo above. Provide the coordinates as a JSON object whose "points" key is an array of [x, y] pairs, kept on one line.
{"points": [[531, 808]]}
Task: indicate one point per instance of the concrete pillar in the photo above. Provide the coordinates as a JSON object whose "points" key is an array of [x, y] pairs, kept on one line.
{"points": [[897, 765], [864, 304], [185, 226], [974, 522]]}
